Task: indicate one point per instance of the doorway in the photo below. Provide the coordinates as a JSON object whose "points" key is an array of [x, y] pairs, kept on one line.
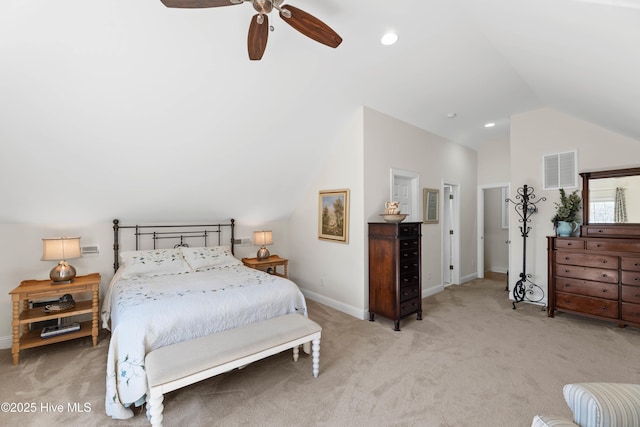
{"points": [[493, 229]]}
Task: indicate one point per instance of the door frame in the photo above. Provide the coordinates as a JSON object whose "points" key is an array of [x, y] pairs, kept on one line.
{"points": [[480, 225]]}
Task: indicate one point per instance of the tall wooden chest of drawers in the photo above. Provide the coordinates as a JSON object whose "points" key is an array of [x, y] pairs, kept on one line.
{"points": [[395, 264], [595, 277]]}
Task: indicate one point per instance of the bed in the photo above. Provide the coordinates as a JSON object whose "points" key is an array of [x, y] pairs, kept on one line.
{"points": [[178, 283]]}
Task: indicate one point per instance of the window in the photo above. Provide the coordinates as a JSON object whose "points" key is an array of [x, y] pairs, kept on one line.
{"points": [[602, 212], [560, 170]]}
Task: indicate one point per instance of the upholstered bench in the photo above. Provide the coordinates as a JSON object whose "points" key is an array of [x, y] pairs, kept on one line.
{"points": [[597, 405], [172, 367]]}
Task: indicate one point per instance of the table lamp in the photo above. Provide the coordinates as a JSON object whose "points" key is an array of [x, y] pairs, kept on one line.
{"points": [[262, 238], [61, 249]]}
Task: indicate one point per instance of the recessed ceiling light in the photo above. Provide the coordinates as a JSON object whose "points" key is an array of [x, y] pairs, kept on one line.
{"points": [[389, 39], [452, 116], [489, 125]]}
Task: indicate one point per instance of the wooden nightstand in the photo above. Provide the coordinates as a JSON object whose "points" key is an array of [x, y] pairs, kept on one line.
{"points": [[44, 289], [269, 265]]}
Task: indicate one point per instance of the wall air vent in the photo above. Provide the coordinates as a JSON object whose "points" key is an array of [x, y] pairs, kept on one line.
{"points": [[560, 170], [90, 250]]}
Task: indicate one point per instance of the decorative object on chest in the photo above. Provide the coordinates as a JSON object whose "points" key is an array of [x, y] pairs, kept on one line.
{"points": [[395, 286]]}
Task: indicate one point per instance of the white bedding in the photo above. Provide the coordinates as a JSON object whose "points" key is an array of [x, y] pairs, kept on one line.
{"points": [[145, 313]]}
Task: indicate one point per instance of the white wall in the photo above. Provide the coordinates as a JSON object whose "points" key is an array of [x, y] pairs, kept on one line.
{"points": [[332, 272], [546, 131], [391, 143]]}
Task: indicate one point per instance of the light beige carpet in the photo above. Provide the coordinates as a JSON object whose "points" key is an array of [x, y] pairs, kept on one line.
{"points": [[472, 361]]}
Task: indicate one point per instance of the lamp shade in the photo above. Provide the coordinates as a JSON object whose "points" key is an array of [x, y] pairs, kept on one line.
{"points": [[61, 248], [261, 238]]}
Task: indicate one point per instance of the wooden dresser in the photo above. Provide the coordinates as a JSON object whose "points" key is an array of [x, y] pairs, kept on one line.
{"points": [[395, 286], [596, 277]]}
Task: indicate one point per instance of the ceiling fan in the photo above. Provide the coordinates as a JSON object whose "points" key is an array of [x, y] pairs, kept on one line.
{"points": [[302, 21]]}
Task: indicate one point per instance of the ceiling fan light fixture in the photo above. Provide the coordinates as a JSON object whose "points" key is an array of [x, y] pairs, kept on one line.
{"points": [[389, 38]]}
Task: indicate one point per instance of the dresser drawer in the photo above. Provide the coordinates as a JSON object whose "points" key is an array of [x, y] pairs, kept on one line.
{"points": [[409, 255], [631, 294], [409, 306], [587, 273], [409, 292], [588, 260], [409, 243], [629, 263], [631, 312], [619, 245], [408, 229], [569, 243], [631, 278], [409, 278], [409, 264], [587, 305], [588, 288]]}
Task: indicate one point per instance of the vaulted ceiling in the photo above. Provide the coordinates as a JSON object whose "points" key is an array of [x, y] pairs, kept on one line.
{"points": [[149, 100]]}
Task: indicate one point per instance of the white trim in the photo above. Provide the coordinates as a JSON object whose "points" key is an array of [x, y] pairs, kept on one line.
{"points": [[340, 306], [456, 190], [5, 342]]}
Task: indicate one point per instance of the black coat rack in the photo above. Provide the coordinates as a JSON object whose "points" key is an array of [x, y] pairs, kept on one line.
{"points": [[525, 206]]}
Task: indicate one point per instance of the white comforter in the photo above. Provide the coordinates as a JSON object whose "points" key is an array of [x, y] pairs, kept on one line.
{"points": [[147, 313]]}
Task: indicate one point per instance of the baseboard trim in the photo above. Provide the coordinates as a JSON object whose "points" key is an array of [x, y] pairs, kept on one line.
{"points": [[5, 342], [340, 306], [468, 278]]}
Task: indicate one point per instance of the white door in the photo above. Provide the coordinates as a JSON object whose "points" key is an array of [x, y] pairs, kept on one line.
{"points": [[451, 235], [404, 189], [402, 194]]}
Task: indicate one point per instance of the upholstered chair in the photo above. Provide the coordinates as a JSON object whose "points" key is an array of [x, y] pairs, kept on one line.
{"points": [[597, 405]]}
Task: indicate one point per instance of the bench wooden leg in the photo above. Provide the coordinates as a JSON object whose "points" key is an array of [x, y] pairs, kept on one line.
{"points": [[155, 408], [296, 353], [315, 351]]}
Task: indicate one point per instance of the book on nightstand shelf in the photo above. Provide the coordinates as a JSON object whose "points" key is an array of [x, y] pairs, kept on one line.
{"points": [[52, 331]]}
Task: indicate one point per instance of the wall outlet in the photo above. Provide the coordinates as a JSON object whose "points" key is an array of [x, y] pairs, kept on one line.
{"points": [[242, 241], [90, 250]]}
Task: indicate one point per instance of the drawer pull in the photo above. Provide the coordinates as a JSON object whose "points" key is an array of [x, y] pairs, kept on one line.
{"points": [[569, 244], [604, 291], [567, 271], [567, 258], [604, 275], [636, 279]]}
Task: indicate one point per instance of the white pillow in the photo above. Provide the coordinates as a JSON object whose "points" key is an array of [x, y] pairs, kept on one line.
{"points": [[155, 262], [208, 257]]}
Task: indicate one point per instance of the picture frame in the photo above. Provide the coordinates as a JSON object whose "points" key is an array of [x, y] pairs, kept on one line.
{"points": [[333, 215], [430, 206]]}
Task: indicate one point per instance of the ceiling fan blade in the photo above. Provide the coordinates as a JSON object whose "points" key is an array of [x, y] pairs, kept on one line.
{"points": [[311, 26], [189, 4], [257, 39]]}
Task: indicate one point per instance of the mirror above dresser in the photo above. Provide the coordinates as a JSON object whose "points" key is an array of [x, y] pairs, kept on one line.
{"points": [[611, 203]]}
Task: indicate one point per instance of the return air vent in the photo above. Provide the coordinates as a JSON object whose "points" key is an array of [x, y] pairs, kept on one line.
{"points": [[560, 170]]}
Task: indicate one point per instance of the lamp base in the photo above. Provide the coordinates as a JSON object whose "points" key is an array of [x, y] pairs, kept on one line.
{"points": [[62, 273], [263, 253]]}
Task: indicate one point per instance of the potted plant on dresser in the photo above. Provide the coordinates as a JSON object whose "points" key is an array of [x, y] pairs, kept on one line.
{"points": [[564, 221]]}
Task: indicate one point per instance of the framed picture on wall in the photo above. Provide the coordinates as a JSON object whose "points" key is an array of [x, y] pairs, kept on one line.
{"points": [[430, 206], [333, 215]]}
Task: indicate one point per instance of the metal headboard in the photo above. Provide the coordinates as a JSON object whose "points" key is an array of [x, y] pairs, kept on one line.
{"points": [[180, 234]]}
